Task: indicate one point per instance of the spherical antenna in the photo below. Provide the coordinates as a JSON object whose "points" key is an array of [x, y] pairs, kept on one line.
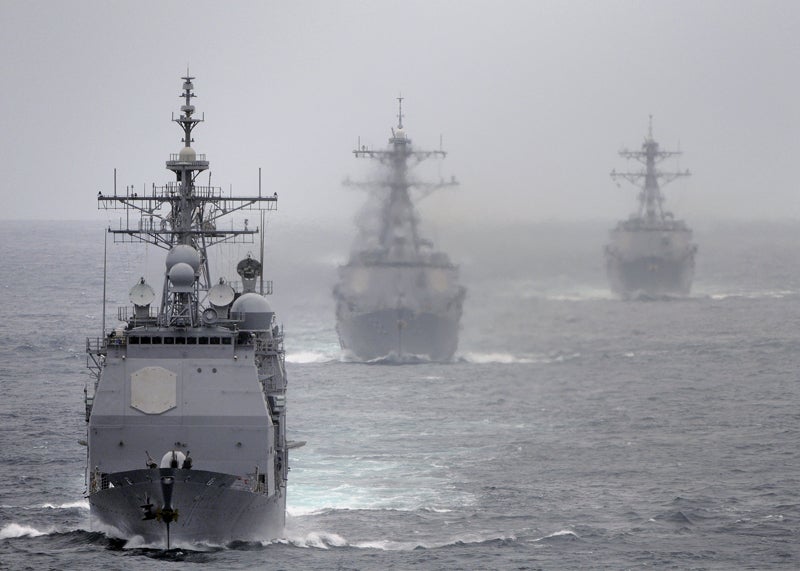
{"points": [[183, 253], [182, 277], [187, 154]]}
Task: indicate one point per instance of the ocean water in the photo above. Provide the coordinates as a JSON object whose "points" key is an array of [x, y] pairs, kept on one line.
{"points": [[573, 431]]}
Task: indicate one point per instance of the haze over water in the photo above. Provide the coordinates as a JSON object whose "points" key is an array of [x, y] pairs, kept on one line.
{"points": [[573, 431]]}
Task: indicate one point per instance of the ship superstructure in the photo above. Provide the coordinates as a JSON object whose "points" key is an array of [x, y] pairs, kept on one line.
{"points": [[397, 297], [186, 409], [651, 254]]}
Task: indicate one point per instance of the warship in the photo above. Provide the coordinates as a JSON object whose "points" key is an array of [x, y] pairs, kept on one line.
{"points": [[397, 298], [650, 254], [186, 403]]}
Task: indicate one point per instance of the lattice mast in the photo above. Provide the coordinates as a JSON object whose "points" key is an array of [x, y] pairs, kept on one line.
{"points": [[651, 199], [400, 157], [184, 212]]}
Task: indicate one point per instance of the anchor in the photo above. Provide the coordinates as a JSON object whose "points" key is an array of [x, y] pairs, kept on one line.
{"points": [[167, 514]]}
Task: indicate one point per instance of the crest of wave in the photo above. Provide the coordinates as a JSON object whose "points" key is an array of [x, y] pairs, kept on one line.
{"points": [[80, 504], [313, 539], [13, 530], [307, 357], [498, 357]]}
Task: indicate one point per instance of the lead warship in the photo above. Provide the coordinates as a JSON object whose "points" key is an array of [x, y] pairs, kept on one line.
{"points": [[186, 408], [397, 298], [651, 254]]}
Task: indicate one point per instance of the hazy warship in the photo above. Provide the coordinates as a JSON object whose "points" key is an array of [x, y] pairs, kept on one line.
{"points": [[397, 298], [199, 383], [651, 254]]}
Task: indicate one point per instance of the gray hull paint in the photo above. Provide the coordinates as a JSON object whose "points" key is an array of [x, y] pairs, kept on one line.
{"points": [[212, 508], [651, 276], [203, 372], [399, 333]]}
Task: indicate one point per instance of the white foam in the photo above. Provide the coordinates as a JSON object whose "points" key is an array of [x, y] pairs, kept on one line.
{"points": [[563, 532], [16, 530], [326, 540], [299, 511], [316, 539], [82, 504], [767, 294], [587, 295], [491, 358], [307, 357]]}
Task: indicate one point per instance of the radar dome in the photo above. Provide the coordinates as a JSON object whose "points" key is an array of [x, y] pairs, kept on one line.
{"points": [[253, 311], [181, 275], [251, 303], [185, 254], [187, 154]]}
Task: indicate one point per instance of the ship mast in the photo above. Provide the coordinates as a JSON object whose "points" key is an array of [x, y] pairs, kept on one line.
{"points": [[183, 212], [400, 157], [651, 199]]}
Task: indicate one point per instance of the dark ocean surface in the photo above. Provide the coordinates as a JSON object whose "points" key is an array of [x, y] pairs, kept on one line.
{"points": [[574, 430]]}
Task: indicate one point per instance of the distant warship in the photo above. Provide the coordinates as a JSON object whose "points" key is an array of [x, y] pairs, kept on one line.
{"points": [[203, 373], [651, 254], [398, 298]]}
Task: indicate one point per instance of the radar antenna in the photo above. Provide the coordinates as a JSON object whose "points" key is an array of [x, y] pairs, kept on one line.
{"points": [[400, 157], [182, 212], [651, 199], [186, 121], [400, 112]]}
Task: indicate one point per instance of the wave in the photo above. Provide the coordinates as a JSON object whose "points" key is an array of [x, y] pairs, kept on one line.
{"points": [[527, 289], [492, 358], [304, 511], [315, 539], [81, 504], [328, 540], [501, 358], [14, 530], [766, 294], [558, 535], [309, 357], [395, 359], [587, 295]]}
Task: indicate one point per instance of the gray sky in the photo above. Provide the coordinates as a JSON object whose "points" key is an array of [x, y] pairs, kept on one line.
{"points": [[533, 98]]}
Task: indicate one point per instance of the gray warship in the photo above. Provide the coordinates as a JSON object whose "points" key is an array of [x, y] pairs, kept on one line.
{"points": [[397, 298], [186, 404], [651, 254]]}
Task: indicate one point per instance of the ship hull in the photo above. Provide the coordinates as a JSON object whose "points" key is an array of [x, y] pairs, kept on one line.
{"points": [[398, 334], [650, 276], [213, 508]]}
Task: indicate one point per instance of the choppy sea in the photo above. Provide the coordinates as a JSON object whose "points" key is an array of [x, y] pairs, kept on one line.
{"points": [[573, 430]]}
